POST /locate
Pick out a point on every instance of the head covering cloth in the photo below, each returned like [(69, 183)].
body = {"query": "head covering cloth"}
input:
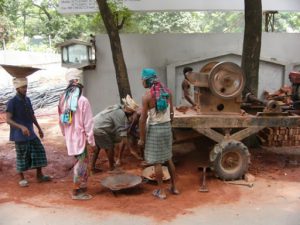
[(157, 89), (20, 82), (130, 103), (74, 74), (71, 94)]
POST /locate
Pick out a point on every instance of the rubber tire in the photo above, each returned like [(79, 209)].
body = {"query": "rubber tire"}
[(240, 152)]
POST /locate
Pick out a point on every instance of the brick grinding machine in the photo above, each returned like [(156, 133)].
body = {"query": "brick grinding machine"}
[(218, 88)]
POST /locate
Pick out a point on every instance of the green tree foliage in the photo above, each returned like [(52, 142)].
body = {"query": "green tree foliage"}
[(1, 7), (287, 22), (121, 15), (186, 22), (22, 20), (30, 18), (203, 22)]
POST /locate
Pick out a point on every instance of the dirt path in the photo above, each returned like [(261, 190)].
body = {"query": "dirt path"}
[(254, 208), (276, 185)]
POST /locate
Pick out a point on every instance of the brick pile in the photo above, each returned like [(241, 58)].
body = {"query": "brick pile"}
[(279, 136), (282, 96)]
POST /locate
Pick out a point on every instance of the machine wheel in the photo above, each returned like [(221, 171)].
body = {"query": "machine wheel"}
[(232, 160), (207, 67), (226, 80)]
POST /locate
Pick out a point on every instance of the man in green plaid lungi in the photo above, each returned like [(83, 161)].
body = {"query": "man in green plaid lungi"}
[(157, 107), (29, 149)]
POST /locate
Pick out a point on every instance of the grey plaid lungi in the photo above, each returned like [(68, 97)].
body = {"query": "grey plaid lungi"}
[(105, 140), (30, 155), (158, 146)]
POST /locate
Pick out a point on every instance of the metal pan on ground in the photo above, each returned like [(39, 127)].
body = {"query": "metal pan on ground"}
[(149, 173), (121, 181)]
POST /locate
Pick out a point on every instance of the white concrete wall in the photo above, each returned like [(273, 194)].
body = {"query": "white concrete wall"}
[(169, 53), (49, 63)]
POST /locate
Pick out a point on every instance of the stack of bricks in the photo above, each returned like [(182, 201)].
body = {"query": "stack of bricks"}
[(280, 136)]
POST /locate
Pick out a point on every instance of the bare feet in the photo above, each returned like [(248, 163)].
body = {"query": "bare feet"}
[(174, 191), (43, 178), (136, 155), (96, 170), (118, 163)]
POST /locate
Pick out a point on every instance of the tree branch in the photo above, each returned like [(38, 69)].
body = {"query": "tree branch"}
[(120, 26), (44, 10)]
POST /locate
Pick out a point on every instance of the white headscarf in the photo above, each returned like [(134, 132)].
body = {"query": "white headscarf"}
[(74, 74), (19, 82), (130, 103)]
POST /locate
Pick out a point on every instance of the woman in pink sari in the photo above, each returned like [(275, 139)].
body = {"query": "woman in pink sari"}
[(76, 123)]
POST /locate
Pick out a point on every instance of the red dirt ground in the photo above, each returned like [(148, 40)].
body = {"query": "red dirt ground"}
[(138, 201)]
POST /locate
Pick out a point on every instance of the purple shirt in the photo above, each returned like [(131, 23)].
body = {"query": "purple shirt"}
[(22, 112)]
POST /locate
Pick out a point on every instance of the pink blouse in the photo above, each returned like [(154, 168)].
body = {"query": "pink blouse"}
[(80, 130)]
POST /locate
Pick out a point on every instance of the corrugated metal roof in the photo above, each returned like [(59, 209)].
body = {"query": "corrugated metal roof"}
[(74, 42)]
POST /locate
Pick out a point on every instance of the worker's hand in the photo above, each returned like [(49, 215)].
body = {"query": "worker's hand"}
[(41, 133), (25, 131), (141, 143), (172, 116)]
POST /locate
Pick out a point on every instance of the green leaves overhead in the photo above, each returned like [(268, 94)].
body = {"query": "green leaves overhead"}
[(203, 22), (31, 18), (26, 19)]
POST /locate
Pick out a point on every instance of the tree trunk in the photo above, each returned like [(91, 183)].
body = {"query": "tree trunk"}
[(116, 48), (252, 44)]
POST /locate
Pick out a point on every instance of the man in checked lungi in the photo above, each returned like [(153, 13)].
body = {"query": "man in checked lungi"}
[(29, 149), (157, 107)]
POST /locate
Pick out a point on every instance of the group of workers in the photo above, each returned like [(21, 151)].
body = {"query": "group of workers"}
[(115, 124)]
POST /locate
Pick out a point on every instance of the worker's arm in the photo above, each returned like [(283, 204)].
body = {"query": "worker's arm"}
[(143, 119), (35, 122), (135, 120), (11, 122), (185, 89), (60, 111), (171, 107), (88, 122)]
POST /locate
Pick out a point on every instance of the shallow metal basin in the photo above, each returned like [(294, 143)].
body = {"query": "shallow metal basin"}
[(121, 181)]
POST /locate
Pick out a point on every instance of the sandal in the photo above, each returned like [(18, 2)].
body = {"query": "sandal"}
[(23, 183), (43, 178), (157, 193), (82, 196)]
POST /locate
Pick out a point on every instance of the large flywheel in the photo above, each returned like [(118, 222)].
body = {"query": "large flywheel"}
[(208, 66), (226, 80)]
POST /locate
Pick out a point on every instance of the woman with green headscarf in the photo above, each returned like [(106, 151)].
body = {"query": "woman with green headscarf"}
[(157, 110)]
